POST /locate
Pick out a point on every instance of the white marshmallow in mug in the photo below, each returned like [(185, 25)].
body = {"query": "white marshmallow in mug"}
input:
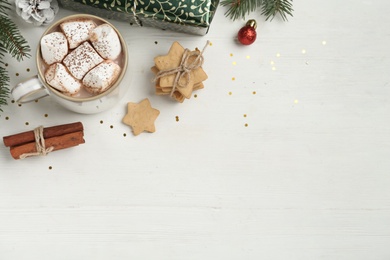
[(77, 31), (59, 78), (81, 60), (54, 47), (101, 78), (106, 42)]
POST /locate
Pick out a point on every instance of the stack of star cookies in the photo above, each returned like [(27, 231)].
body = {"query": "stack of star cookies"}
[(178, 75)]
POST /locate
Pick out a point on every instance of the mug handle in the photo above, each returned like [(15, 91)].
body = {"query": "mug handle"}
[(29, 90)]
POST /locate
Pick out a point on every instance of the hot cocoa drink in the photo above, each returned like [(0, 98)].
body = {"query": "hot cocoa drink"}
[(81, 57)]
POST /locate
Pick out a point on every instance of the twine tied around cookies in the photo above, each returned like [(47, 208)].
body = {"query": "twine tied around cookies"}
[(39, 144), (184, 69)]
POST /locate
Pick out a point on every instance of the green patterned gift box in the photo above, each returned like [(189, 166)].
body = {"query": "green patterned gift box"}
[(189, 16)]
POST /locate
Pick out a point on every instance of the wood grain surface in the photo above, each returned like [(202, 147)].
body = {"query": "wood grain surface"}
[(284, 155)]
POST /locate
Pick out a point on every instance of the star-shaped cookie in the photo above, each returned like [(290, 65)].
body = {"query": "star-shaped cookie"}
[(177, 95), (140, 117), (171, 61)]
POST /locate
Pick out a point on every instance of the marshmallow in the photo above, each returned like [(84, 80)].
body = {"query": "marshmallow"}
[(106, 41), (54, 47), (59, 78), (81, 60), (101, 77), (77, 31)]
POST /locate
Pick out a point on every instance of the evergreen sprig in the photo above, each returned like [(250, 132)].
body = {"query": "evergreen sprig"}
[(269, 8), (11, 42), (4, 82)]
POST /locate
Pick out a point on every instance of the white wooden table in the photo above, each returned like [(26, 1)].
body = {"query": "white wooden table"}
[(285, 154)]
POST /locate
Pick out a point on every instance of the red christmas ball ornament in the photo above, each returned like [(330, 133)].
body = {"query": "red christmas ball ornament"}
[(247, 34)]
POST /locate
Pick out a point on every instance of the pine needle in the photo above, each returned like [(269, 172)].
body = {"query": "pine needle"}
[(240, 8), (269, 8), (11, 39), (11, 42), (282, 7), (4, 82)]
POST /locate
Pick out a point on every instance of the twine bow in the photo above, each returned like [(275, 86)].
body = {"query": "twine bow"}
[(184, 69), (39, 144)]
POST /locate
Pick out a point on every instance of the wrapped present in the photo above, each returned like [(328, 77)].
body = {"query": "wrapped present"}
[(189, 16)]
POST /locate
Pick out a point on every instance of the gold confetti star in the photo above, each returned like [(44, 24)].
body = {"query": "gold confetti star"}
[(140, 117)]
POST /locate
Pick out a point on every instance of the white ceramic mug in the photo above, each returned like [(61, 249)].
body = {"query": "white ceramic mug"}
[(36, 87)]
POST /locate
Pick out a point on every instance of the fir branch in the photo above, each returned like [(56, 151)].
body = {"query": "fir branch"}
[(11, 42), (4, 83), (282, 7), (10, 36), (270, 8), (240, 8)]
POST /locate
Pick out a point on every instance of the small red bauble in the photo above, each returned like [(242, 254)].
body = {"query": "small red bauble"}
[(247, 34)]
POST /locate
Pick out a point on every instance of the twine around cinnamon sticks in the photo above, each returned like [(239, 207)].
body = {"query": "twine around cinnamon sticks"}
[(41, 140)]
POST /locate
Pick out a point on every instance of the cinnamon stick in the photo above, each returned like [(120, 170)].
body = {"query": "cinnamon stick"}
[(57, 142), (48, 132)]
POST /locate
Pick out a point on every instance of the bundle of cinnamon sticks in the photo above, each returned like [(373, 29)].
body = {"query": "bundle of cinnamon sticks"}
[(55, 137)]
